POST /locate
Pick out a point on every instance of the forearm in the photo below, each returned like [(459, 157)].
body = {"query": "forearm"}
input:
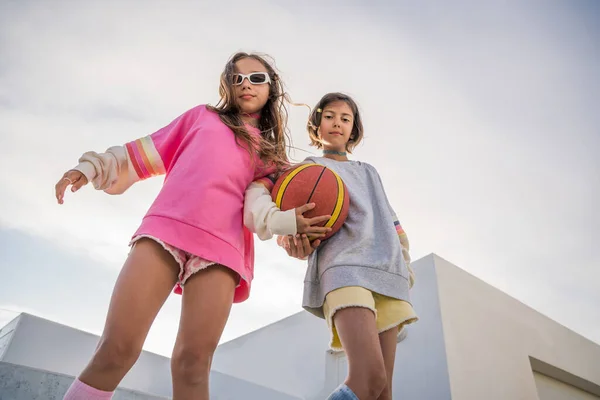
[(263, 217)]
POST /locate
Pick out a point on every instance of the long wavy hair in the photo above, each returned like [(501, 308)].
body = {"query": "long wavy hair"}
[(272, 145)]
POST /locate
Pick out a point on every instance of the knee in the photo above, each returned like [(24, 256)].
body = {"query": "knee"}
[(376, 382), (386, 394), (191, 364), (114, 354)]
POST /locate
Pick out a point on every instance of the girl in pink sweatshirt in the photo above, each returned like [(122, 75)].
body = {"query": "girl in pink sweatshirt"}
[(192, 237)]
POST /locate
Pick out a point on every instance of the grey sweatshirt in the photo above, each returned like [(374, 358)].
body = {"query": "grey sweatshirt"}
[(365, 252)]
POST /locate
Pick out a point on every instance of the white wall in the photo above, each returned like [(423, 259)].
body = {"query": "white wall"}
[(24, 383), (46, 345), (291, 355), (472, 342), (421, 368), (225, 387), (42, 353), (552, 389), (490, 338), (288, 356), (6, 334)]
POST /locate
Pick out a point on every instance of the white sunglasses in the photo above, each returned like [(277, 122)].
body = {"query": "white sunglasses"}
[(255, 78)]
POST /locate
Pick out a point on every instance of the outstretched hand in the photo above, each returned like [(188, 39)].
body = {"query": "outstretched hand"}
[(74, 178), (298, 246)]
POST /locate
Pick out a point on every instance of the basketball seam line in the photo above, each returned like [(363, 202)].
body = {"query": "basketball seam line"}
[(335, 204), (287, 180), (316, 184)]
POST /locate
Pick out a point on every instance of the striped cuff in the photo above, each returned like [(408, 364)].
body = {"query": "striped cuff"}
[(145, 158), (398, 227)]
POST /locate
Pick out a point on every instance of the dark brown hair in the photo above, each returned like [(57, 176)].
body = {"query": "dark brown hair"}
[(273, 120), (314, 121)]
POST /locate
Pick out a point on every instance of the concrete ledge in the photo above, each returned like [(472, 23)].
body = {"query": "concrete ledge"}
[(24, 383), (564, 376)]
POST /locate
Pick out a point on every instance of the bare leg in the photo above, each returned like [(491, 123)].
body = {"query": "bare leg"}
[(207, 300), (388, 341), (144, 284), (358, 333)]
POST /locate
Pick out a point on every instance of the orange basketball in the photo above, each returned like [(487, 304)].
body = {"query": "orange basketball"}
[(314, 183)]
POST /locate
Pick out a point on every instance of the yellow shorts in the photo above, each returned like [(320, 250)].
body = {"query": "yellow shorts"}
[(389, 312)]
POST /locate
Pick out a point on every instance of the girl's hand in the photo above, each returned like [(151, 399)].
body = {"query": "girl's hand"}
[(72, 177), (298, 246), (305, 225)]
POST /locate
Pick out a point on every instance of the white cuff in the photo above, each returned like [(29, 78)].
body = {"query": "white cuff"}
[(87, 169), (283, 223)]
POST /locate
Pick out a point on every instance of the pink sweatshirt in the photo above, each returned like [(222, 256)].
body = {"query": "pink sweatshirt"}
[(200, 206)]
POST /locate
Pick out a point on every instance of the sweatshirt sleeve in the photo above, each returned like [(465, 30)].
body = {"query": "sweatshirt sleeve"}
[(405, 248), (404, 243), (261, 214), (119, 167)]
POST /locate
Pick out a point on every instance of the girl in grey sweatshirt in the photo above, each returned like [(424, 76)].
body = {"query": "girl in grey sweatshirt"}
[(358, 280)]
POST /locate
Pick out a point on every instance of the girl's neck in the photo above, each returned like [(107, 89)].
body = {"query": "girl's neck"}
[(250, 119), (337, 155)]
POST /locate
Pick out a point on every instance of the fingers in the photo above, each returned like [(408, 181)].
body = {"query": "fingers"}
[(287, 244), (318, 231), (306, 247), (303, 247), (78, 183), (318, 220), (74, 178), (314, 231), (293, 246), (299, 246), (305, 208), (310, 225), (60, 188)]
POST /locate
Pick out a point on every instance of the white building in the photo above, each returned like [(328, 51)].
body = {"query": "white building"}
[(472, 342)]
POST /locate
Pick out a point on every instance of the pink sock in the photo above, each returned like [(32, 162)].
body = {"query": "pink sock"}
[(81, 391)]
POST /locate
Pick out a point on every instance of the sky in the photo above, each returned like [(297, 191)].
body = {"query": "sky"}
[(482, 120)]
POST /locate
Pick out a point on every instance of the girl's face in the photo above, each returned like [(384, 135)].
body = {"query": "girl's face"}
[(336, 125), (251, 97)]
